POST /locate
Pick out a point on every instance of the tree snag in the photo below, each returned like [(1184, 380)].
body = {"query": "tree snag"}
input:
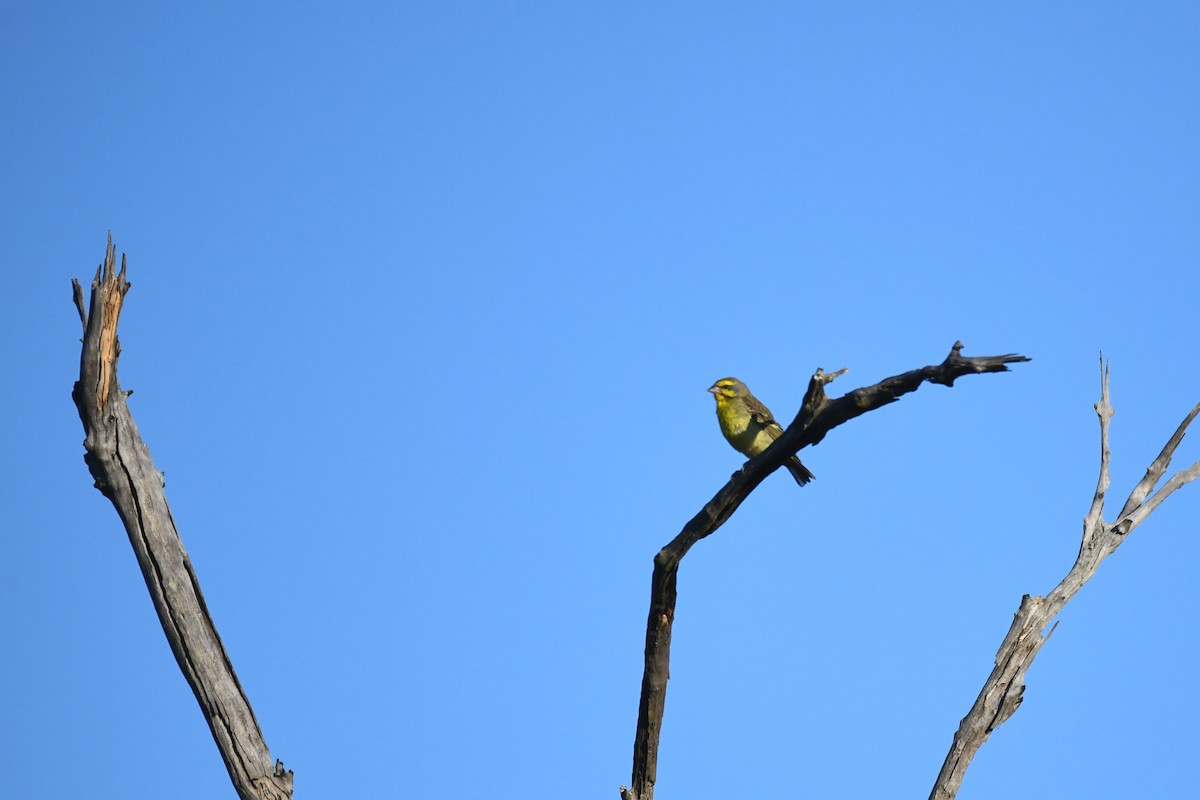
[(125, 473), (1005, 687), (817, 416)]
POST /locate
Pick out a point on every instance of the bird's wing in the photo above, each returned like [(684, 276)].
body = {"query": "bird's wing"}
[(761, 414)]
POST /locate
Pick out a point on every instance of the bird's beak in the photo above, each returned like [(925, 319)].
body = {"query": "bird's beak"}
[(713, 389)]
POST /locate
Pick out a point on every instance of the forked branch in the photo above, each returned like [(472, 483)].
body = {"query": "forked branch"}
[(124, 472), (817, 416), (1003, 691)]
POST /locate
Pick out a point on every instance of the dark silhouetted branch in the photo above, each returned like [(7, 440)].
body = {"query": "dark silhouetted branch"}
[(817, 416)]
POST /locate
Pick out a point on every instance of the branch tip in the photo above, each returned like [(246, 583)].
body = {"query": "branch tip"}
[(77, 295), (823, 378)]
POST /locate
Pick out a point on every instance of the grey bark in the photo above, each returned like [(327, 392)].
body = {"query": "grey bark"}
[(125, 473), (1003, 691)]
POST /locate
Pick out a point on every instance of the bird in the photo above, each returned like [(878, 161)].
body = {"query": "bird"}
[(749, 426)]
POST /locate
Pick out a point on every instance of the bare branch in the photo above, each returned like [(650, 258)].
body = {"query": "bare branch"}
[(1159, 466), (125, 473), (817, 416), (1001, 693), (1139, 514), (1104, 411)]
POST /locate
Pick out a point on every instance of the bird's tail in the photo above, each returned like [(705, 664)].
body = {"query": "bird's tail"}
[(799, 471)]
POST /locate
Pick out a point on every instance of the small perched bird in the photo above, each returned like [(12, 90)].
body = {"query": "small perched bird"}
[(748, 424)]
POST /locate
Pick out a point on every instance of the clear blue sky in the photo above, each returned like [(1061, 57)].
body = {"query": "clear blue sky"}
[(425, 301)]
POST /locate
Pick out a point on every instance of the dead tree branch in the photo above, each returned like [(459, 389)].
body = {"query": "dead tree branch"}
[(1005, 687), (817, 416), (124, 472)]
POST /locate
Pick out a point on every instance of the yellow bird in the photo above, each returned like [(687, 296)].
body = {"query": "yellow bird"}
[(748, 424)]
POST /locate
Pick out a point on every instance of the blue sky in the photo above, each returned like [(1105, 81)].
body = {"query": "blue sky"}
[(425, 301)]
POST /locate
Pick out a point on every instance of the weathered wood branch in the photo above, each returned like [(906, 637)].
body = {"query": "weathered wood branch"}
[(817, 416), (1005, 687), (125, 473)]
